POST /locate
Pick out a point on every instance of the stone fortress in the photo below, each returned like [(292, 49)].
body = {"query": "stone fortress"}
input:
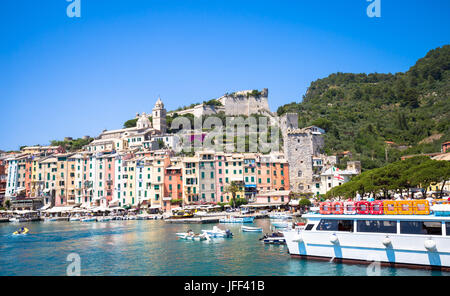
[(245, 102)]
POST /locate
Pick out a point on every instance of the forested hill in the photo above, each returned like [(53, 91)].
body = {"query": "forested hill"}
[(362, 111)]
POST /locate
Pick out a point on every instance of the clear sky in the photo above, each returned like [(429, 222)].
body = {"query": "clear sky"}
[(62, 76)]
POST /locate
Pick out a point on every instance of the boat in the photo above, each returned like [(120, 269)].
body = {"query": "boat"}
[(282, 216), (190, 235), (48, 219), (404, 233), (75, 218), (103, 219), (275, 238), (282, 224), (20, 219), (237, 220), (251, 229), (217, 232), (89, 219), (21, 231)]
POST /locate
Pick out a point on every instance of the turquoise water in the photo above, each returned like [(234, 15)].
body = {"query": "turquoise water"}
[(151, 248)]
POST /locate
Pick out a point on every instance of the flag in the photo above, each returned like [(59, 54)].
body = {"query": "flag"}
[(336, 174)]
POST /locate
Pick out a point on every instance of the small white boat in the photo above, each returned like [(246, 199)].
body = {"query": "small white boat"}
[(193, 236), (217, 232), (282, 216), (131, 218), (237, 220), (75, 219), (282, 224), (51, 219), (251, 229), (89, 219), (103, 219), (276, 238)]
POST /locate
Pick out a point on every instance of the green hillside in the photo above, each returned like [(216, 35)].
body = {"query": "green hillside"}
[(362, 111)]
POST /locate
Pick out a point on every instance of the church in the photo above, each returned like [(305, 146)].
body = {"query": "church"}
[(125, 138)]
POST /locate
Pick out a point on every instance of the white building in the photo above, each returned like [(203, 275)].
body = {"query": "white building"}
[(331, 178)]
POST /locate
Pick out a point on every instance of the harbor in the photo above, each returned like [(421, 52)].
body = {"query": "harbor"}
[(150, 247)]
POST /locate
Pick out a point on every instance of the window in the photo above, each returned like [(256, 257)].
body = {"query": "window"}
[(335, 225), (299, 173), (309, 226), (447, 227), (421, 227), (377, 226)]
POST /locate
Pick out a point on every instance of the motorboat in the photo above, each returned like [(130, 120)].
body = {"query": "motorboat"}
[(237, 220), (217, 232), (251, 229), (75, 218), (104, 219), (89, 219), (275, 238), (280, 216), (282, 224), (190, 235)]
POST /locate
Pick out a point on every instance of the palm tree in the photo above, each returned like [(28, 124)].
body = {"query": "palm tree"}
[(233, 188)]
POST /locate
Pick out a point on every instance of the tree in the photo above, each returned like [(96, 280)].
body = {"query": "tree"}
[(233, 189)]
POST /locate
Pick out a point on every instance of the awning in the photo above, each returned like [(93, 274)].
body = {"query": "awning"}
[(45, 207), (59, 209), (21, 212), (260, 205)]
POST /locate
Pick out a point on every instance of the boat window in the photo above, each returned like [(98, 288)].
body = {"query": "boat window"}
[(447, 227), (377, 226), (335, 225), (309, 226), (421, 227)]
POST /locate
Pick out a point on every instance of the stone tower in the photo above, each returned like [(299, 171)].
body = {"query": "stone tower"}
[(159, 117), (300, 146)]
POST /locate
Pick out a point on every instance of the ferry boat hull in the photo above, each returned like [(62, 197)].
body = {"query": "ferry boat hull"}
[(393, 249)]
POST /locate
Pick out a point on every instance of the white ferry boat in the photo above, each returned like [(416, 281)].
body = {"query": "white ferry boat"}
[(398, 240)]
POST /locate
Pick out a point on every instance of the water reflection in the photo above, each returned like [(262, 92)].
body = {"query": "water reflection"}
[(152, 248)]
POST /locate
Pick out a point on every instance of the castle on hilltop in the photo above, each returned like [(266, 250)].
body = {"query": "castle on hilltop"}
[(245, 102)]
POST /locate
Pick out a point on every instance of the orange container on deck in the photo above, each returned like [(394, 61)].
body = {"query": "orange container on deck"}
[(337, 208), (363, 207), (405, 207), (376, 207), (325, 208), (421, 207), (390, 207)]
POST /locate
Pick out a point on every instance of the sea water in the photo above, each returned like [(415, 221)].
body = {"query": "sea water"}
[(146, 247)]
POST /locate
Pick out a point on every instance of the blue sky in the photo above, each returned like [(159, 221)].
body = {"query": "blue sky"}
[(65, 76)]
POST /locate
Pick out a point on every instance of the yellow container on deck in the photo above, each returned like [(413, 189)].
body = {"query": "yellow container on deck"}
[(405, 207), (421, 207), (390, 207)]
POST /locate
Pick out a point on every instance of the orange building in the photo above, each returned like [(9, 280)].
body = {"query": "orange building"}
[(272, 175), (173, 187)]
